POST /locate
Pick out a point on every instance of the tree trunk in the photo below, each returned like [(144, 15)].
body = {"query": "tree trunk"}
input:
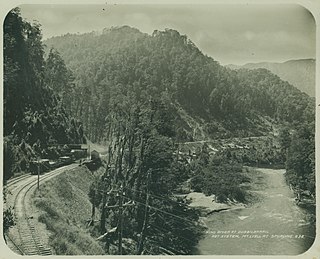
[(103, 215)]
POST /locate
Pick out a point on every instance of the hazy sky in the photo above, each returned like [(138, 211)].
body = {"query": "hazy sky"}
[(234, 34)]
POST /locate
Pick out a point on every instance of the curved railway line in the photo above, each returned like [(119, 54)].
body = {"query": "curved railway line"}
[(17, 179), (28, 241)]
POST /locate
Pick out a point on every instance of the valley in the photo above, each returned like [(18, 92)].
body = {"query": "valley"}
[(244, 227), (165, 148)]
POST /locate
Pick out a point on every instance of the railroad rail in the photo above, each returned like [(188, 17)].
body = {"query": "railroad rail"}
[(17, 179), (29, 242)]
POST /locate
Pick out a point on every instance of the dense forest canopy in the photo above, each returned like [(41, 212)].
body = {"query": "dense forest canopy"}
[(223, 100)]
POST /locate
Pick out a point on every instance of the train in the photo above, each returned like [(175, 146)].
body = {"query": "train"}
[(44, 165), (95, 161), (75, 152)]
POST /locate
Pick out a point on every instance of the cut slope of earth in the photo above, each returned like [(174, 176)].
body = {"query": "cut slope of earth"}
[(64, 209)]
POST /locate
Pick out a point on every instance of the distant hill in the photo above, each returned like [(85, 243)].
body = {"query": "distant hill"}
[(300, 73)]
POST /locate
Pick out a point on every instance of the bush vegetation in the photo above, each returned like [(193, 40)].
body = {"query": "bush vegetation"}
[(218, 175)]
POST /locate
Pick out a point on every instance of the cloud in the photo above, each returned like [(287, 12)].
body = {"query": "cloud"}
[(249, 35), (228, 33)]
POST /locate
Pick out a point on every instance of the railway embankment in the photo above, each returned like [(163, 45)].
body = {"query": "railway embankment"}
[(53, 219), (64, 209), (24, 237)]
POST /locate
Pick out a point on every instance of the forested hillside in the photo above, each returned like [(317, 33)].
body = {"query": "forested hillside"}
[(193, 97), (205, 98), (34, 117)]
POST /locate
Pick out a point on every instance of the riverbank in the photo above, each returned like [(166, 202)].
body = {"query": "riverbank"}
[(207, 205)]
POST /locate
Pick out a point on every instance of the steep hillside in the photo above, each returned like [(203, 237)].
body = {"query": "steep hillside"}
[(34, 119), (300, 73), (123, 66)]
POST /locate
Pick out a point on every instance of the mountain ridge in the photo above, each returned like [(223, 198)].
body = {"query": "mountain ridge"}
[(170, 65), (298, 72)]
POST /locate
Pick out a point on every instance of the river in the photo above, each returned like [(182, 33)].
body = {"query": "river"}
[(274, 225)]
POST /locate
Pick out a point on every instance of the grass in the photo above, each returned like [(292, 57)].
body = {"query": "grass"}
[(65, 210)]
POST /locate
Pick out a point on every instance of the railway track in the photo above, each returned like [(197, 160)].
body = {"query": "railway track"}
[(13, 185), (29, 240), (17, 179)]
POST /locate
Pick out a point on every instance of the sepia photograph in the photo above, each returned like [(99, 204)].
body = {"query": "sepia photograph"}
[(159, 128)]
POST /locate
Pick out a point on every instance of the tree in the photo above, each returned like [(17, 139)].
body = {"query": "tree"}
[(60, 79), (300, 159), (141, 163), (14, 58), (33, 118)]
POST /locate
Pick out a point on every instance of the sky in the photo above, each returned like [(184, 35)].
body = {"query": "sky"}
[(231, 34)]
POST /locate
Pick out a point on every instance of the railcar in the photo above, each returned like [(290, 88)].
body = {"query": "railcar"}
[(39, 166)]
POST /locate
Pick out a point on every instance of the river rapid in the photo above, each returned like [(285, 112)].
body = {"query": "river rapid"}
[(274, 225)]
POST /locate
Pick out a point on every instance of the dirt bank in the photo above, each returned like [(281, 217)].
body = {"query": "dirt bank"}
[(64, 208)]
